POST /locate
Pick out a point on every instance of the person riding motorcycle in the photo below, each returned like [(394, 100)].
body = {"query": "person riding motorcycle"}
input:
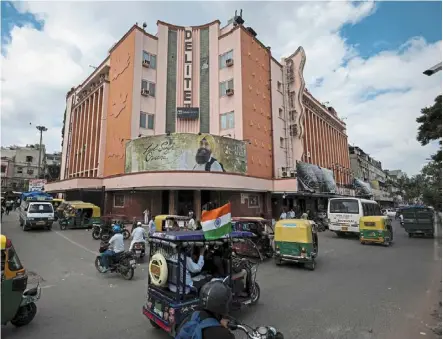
[(209, 321), (138, 235), (116, 244)]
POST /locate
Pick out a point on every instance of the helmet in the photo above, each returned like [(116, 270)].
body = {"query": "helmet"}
[(116, 229), (139, 223), (216, 297)]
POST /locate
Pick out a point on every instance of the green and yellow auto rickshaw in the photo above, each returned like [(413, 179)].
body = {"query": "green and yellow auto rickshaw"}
[(18, 303), (80, 215), (168, 222), (296, 241), (376, 230)]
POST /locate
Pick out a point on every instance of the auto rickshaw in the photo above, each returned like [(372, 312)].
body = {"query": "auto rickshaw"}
[(170, 302), (296, 241), (56, 203), (169, 222), (18, 303), (80, 215), (261, 228), (376, 229)]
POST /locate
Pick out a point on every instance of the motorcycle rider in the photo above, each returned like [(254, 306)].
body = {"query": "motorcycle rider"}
[(116, 244), (209, 321), (138, 235)]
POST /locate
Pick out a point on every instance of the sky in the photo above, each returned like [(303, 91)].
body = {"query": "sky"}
[(365, 58)]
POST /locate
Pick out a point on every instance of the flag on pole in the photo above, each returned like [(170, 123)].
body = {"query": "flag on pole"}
[(216, 223)]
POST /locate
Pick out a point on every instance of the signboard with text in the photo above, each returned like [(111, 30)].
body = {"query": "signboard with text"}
[(188, 112), (37, 185)]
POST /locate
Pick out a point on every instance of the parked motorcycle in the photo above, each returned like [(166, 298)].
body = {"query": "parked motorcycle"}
[(262, 332), (139, 250), (122, 263)]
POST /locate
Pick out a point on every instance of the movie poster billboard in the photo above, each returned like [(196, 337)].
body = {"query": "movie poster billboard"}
[(315, 178), (186, 152)]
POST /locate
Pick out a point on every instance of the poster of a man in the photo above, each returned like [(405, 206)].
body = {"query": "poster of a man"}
[(203, 158)]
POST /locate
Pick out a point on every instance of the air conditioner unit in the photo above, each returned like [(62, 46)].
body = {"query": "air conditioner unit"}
[(145, 92), (229, 92), (293, 173), (146, 63), (283, 172), (229, 62)]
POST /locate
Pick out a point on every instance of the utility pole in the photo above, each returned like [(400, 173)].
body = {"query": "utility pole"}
[(41, 129)]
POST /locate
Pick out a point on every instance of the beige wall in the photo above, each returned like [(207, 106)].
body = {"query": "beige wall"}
[(278, 123)]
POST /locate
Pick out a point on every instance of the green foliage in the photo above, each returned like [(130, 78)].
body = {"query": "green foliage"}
[(430, 123)]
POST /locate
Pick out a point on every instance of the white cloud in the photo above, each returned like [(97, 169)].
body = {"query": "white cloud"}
[(41, 66)]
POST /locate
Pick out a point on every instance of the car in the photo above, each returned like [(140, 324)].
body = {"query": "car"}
[(390, 212)]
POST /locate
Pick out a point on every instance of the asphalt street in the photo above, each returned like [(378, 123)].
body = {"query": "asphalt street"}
[(356, 291)]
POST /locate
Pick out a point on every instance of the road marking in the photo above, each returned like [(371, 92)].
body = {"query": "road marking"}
[(76, 243), (47, 286)]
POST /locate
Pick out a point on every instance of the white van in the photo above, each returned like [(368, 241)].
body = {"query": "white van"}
[(36, 214), (344, 213)]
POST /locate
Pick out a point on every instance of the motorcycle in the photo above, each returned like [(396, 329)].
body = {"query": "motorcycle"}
[(107, 233), (261, 332), (122, 263), (98, 230), (139, 250)]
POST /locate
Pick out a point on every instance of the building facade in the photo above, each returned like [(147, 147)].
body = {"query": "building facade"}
[(19, 164), (137, 128)]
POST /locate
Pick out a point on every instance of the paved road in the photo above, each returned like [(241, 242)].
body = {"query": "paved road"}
[(356, 291)]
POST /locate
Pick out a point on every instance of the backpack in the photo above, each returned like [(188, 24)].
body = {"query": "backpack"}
[(209, 164), (193, 329)]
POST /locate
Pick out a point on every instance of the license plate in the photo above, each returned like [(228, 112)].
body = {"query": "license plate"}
[(344, 228), (132, 262), (41, 222)]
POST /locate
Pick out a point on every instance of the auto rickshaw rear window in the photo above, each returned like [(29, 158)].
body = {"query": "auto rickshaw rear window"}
[(370, 224), (344, 206)]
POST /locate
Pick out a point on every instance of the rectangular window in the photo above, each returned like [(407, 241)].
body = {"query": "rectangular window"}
[(280, 112), (227, 120), (282, 142), (151, 58), (279, 85), (119, 200), (146, 120), (222, 58), (19, 170), (150, 86), (29, 158), (344, 206), (225, 85), (292, 99), (3, 169), (30, 171)]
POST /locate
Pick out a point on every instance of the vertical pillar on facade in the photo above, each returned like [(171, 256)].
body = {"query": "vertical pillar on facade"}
[(172, 202), (197, 204), (267, 205)]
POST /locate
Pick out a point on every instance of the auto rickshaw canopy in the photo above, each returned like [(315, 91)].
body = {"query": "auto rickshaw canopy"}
[(293, 230), (3, 242), (373, 223), (160, 220), (86, 205)]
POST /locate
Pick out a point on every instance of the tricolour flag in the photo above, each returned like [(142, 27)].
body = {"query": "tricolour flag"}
[(216, 223)]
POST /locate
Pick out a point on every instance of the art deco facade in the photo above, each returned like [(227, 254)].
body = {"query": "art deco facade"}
[(207, 80)]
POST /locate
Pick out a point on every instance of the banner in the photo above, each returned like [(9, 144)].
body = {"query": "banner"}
[(186, 152), (37, 185), (316, 179)]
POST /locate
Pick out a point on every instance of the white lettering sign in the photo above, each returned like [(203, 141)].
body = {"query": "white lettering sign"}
[(187, 76)]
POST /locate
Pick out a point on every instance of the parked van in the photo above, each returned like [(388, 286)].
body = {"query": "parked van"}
[(36, 214)]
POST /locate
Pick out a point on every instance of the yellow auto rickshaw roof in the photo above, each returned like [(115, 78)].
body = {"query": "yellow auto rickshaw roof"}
[(3, 241), (377, 222), (58, 200), (293, 230), (171, 216), (82, 204), (249, 218)]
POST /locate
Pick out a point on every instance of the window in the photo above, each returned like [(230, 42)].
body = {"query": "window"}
[(151, 58), (279, 85), (14, 263), (3, 168), (344, 206), (282, 142), (292, 99), (150, 86), (29, 158), (280, 112), (19, 170), (227, 120), (224, 57), (30, 171), (41, 208), (229, 84), (119, 200), (146, 120)]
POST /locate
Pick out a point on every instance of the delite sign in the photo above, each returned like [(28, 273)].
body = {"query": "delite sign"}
[(187, 76)]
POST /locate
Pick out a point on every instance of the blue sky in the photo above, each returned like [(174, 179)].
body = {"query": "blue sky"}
[(393, 23)]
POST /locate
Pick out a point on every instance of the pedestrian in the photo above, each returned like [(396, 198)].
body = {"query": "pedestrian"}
[(191, 223), (151, 226), (146, 215), (291, 214), (134, 224), (283, 214)]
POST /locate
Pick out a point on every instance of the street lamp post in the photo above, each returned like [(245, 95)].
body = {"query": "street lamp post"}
[(433, 70), (41, 129)]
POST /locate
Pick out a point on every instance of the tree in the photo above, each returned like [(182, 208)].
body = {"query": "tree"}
[(430, 126)]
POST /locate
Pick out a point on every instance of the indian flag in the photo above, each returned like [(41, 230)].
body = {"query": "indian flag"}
[(216, 223)]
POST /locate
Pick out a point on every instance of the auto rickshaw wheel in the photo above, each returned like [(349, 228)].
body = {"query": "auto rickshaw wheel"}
[(255, 295), (24, 315), (63, 227), (154, 324), (310, 265)]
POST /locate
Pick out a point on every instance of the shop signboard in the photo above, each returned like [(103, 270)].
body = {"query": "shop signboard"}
[(188, 112), (37, 185), (186, 152)]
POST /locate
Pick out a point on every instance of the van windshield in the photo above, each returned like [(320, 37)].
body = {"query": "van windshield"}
[(344, 206), (40, 208)]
